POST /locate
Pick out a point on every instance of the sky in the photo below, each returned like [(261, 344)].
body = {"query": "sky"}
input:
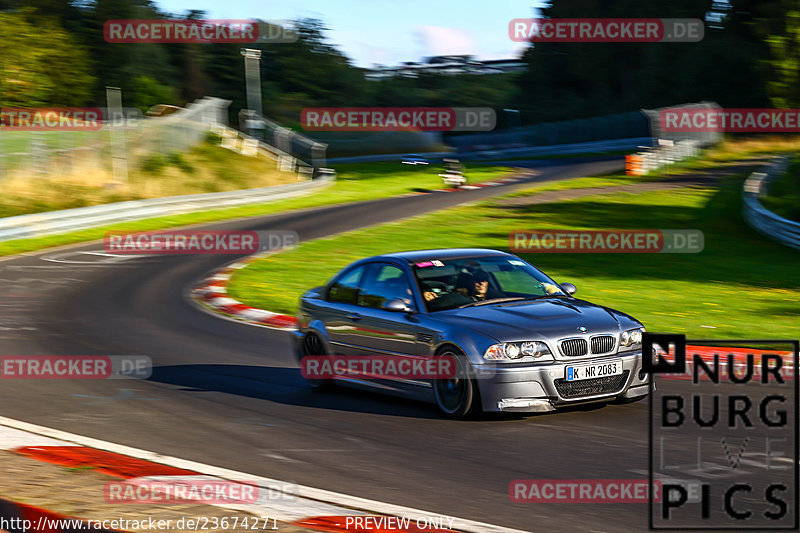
[(389, 32)]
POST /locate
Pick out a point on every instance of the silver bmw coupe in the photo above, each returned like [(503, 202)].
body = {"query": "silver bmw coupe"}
[(518, 340)]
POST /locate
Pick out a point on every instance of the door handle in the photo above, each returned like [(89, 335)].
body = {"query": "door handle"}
[(354, 316)]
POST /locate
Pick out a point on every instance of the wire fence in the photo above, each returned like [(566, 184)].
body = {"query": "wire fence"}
[(61, 153), (698, 138)]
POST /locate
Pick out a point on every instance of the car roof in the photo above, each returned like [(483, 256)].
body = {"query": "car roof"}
[(415, 256)]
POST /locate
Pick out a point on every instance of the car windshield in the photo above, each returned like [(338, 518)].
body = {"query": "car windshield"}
[(451, 283)]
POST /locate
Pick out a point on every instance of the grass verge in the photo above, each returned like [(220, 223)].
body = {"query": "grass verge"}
[(740, 285)]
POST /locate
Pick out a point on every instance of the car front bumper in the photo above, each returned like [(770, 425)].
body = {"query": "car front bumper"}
[(542, 388)]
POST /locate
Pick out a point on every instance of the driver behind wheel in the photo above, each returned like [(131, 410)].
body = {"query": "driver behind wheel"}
[(474, 284)]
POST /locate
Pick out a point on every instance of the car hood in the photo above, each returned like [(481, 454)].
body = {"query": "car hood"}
[(550, 318)]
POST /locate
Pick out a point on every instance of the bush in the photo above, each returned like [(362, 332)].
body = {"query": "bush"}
[(176, 159), (153, 163), (213, 138)]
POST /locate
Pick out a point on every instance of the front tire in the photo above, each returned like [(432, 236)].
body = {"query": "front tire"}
[(457, 397), (312, 345)]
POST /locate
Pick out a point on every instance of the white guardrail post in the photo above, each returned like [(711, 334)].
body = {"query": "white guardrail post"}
[(782, 230)]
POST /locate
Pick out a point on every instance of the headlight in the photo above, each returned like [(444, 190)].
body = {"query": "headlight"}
[(631, 339), (534, 349), (514, 351)]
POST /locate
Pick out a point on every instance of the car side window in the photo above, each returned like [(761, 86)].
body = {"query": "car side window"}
[(345, 289), (384, 282)]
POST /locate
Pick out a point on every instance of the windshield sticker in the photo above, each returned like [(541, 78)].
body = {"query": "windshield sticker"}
[(435, 262)]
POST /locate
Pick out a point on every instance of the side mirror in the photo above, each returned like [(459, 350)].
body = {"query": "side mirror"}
[(569, 288), (397, 305)]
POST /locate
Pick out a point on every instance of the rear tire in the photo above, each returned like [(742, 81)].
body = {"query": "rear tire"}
[(312, 345), (457, 397)]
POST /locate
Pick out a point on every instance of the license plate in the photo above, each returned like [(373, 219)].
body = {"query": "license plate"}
[(593, 370)]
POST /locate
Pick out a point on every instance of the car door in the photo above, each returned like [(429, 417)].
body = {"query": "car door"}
[(380, 331), (383, 332), (342, 312)]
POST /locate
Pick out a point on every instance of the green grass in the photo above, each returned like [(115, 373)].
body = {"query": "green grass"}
[(356, 182), (20, 141), (783, 198), (611, 179), (391, 178), (741, 284)]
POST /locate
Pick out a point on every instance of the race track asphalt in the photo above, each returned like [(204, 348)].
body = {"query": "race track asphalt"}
[(230, 395)]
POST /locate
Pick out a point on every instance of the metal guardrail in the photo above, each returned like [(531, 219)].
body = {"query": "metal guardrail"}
[(54, 222), (782, 230)]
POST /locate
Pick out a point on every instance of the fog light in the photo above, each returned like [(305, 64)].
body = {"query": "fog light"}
[(642, 374)]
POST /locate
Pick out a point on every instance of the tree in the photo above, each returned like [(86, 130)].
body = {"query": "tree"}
[(574, 80), (784, 62), (148, 92), (41, 64)]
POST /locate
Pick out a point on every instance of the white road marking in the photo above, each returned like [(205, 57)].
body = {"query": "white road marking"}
[(11, 438), (106, 257), (310, 501)]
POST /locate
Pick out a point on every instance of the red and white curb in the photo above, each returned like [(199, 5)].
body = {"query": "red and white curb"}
[(285, 502), (213, 292)]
